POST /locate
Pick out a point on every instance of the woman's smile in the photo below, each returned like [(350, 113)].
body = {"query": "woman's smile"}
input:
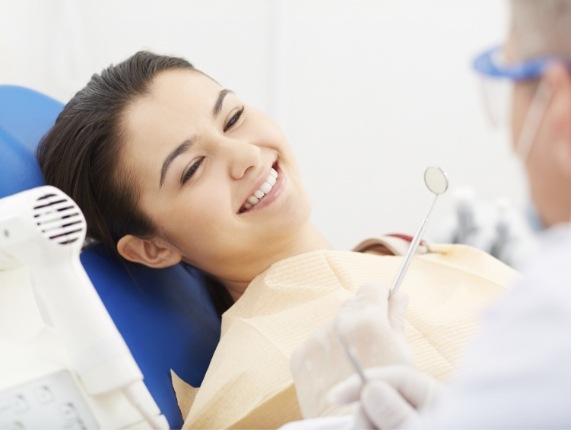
[(266, 191)]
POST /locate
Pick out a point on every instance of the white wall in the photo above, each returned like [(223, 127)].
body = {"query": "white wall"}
[(370, 92)]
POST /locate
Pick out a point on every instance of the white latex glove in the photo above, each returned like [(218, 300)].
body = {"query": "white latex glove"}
[(392, 396), (373, 324)]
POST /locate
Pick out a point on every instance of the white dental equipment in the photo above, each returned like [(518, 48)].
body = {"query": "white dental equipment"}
[(467, 226), (437, 182), (498, 227), (76, 371)]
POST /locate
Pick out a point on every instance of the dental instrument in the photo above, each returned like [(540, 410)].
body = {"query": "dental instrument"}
[(350, 352), (437, 182)]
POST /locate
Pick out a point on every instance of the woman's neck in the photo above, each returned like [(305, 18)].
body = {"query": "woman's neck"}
[(308, 240)]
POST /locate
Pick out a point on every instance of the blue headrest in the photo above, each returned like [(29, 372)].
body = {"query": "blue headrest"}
[(166, 316), (19, 170), (25, 115)]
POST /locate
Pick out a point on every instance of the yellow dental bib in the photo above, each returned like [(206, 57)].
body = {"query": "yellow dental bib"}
[(248, 383)]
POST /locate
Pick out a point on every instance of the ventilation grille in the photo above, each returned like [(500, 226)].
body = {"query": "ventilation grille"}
[(59, 218)]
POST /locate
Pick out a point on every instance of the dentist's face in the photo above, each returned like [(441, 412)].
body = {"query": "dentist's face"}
[(547, 184), (216, 176)]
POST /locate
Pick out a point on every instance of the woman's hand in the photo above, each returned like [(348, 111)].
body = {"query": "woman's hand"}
[(372, 323)]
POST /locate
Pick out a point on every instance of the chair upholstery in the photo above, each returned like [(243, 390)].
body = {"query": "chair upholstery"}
[(166, 316), (25, 116)]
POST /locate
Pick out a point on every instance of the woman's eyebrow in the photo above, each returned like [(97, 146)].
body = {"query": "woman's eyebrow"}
[(180, 149), (219, 101), (184, 146)]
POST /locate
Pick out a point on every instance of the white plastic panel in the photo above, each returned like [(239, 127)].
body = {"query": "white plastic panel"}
[(51, 402)]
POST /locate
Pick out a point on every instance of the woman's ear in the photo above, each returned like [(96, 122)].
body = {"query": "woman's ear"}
[(559, 79), (155, 252)]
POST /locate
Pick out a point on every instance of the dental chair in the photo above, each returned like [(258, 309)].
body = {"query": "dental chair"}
[(167, 317)]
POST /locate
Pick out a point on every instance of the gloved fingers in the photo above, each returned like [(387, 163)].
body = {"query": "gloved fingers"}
[(316, 365), (373, 326), (398, 304), (365, 313), (384, 407), (367, 295), (364, 326), (346, 391), (361, 420), (417, 388), (370, 296)]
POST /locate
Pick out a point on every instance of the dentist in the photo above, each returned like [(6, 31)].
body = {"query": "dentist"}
[(517, 372)]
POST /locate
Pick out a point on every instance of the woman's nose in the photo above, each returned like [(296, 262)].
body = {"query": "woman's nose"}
[(241, 156)]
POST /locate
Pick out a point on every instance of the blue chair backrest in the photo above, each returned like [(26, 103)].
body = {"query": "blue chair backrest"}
[(167, 316)]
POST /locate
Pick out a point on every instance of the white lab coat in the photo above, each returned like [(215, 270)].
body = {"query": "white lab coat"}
[(517, 371)]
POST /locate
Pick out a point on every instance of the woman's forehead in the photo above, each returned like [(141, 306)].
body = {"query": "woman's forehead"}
[(172, 97), (174, 108), (182, 82)]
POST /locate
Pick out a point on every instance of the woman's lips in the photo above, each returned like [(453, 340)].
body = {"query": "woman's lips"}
[(266, 192)]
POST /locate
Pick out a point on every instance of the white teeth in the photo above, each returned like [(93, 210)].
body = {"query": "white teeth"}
[(264, 189)]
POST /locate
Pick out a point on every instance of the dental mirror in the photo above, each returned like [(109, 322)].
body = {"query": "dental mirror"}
[(437, 182)]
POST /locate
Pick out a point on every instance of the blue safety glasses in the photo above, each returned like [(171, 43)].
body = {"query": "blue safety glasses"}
[(490, 63), (498, 78)]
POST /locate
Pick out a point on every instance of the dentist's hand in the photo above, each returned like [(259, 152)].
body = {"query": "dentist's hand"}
[(392, 396), (372, 324)]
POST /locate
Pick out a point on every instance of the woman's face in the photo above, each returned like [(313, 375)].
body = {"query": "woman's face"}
[(217, 177)]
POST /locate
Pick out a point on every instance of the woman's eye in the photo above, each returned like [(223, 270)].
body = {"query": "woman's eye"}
[(190, 171), (234, 119)]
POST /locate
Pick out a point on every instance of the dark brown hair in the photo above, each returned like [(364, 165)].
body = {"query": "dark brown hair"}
[(79, 155)]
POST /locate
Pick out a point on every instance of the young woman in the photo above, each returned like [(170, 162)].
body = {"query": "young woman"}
[(169, 166)]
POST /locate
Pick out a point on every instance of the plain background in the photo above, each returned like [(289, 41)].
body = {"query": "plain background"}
[(369, 92)]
